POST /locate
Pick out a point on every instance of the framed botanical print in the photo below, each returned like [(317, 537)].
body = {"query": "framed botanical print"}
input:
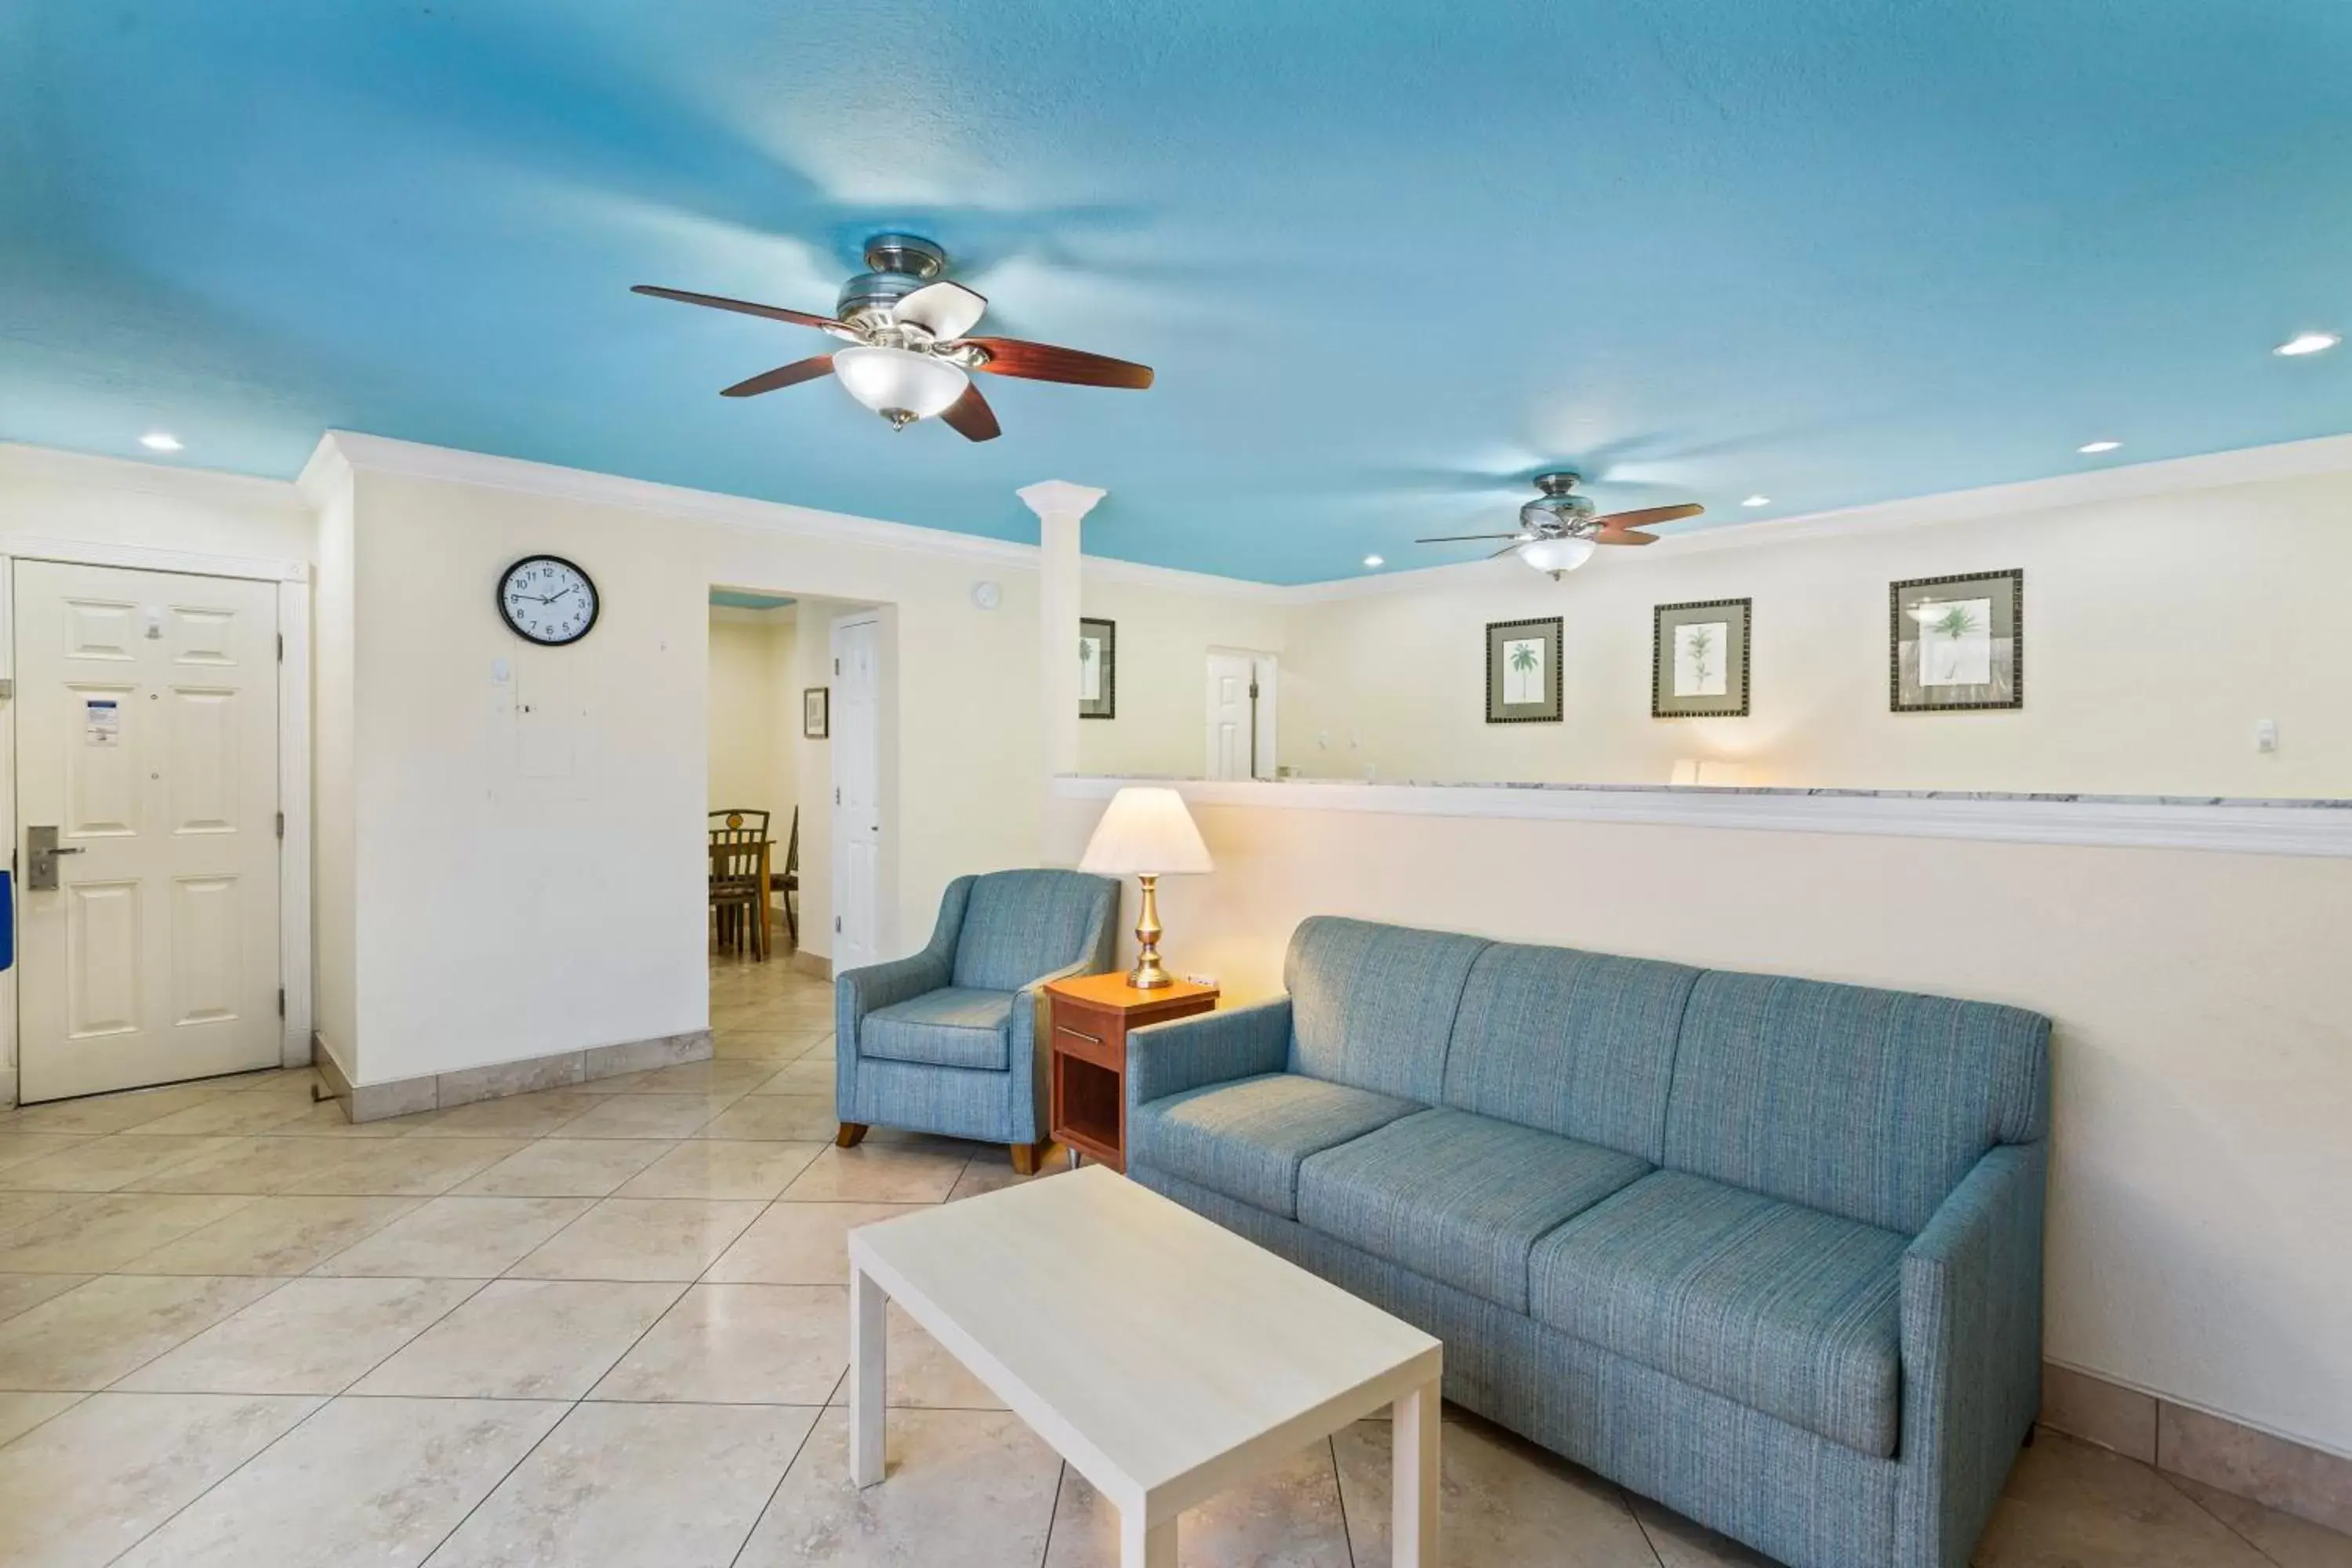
[(1098, 669), (1699, 659), (816, 711), (1956, 643), (1523, 671)]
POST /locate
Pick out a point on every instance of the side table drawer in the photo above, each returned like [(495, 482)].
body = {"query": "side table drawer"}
[(1087, 1039)]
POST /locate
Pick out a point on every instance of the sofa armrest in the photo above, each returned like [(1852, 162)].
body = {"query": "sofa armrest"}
[(1029, 1003), (1971, 1352), (1207, 1047)]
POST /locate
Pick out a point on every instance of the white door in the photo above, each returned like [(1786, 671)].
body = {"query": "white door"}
[(856, 791), (1240, 715), (147, 741)]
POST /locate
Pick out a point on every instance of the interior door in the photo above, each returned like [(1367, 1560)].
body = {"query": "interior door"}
[(856, 791), (147, 742), (1240, 714)]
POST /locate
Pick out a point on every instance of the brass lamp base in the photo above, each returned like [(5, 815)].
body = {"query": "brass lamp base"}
[(1148, 974)]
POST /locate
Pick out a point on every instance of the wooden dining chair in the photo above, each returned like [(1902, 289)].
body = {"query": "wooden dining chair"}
[(737, 836), (789, 884)]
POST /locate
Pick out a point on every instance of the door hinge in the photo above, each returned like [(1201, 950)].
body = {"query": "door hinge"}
[(281, 824), (837, 925), (836, 667), (281, 1000), (836, 794), (281, 647)]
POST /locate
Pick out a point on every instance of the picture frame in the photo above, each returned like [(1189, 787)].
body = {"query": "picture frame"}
[(1955, 644), (1523, 671), (816, 712), (1699, 659), (1098, 668)]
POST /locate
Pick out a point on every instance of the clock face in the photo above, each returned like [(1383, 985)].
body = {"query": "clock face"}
[(546, 599)]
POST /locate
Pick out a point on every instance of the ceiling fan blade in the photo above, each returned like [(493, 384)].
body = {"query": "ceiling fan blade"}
[(1624, 536), (970, 418), (1649, 515), (1507, 550), (944, 310), (1043, 362), (1467, 538), (791, 374), (743, 307)]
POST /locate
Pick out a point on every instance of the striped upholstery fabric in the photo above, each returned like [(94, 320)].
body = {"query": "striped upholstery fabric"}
[(1786, 1309), (1581, 1044), (1207, 1047), (1458, 1197), (952, 1027), (1870, 1104), (1248, 1139), (1372, 1005), (1020, 925)]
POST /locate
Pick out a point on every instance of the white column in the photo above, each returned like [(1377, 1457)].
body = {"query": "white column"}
[(1060, 507)]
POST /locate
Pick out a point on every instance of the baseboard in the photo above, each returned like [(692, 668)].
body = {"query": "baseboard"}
[(815, 964), (2226, 1454), (441, 1092)]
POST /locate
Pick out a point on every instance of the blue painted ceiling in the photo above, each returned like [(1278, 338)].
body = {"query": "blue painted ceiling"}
[(1831, 252)]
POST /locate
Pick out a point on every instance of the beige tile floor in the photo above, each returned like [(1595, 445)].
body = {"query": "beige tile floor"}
[(606, 1325)]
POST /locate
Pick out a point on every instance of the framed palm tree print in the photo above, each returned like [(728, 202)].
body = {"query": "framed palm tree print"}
[(1523, 667), (1956, 643), (1098, 669), (1699, 659)]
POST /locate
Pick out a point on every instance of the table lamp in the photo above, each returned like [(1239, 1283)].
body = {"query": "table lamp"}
[(1147, 834)]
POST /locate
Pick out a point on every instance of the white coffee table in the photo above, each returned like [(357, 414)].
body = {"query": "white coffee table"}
[(1164, 1357)]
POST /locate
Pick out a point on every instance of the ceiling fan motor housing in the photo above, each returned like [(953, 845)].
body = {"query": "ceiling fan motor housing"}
[(898, 265)]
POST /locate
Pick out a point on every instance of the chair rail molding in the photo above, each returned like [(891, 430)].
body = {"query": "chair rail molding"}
[(2303, 827)]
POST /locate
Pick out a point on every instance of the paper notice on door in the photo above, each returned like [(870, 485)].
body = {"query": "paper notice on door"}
[(101, 722)]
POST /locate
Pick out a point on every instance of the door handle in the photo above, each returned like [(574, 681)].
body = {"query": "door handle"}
[(41, 873)]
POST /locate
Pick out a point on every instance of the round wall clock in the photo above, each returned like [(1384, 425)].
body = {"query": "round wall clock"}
[(547, 600)]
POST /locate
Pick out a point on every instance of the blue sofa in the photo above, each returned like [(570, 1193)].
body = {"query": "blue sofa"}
[(1765, 1249), (946, 1041)]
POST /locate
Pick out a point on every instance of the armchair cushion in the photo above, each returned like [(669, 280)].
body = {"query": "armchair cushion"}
[(1246, 1139), (957, 1026), (1458, 1197), (1019, 925), (1784, 1309)]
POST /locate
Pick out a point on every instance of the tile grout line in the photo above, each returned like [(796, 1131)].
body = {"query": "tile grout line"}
[(1340, 1490), (2199, 1504), (785, 1473), (1641, 1525), (1053, 1514)]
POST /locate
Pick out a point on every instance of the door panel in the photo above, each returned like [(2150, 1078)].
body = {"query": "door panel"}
[(857, 805), (147, 735)]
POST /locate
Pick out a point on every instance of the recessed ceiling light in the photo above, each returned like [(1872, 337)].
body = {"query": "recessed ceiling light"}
[(2304, 343), (159, 441), (1374, 561), (2093, 449), (1757, 500)]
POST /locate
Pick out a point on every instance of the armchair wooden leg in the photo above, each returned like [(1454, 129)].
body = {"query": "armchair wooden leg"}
[(852, 1133), (1025, 1158)]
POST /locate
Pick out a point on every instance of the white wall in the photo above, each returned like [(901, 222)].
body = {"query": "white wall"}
[(502, 915), (2159, 630), (2201, 1185), (1166, 628), (754, 713)]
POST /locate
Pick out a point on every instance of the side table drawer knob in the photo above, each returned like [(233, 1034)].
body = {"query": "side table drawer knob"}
[(1080, 1034)]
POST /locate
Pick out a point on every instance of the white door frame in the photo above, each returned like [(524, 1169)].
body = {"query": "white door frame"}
[(293, 579), (1267, 669)]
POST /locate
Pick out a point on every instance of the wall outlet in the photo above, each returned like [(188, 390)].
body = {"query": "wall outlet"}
[(2266, 735)]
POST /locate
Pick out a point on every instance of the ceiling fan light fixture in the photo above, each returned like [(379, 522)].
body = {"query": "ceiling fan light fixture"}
[(900, 384), (1563, 553)]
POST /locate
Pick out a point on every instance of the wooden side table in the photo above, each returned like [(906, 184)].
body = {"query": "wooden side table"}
[(1089, 1019)]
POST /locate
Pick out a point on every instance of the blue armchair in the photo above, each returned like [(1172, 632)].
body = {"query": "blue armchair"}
[(947, 1041)]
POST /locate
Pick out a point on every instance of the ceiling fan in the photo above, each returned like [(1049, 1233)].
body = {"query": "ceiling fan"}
[(910, 358), (1558, 531)]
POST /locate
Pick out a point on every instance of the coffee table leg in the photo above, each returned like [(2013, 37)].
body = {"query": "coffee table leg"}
[(1146, 1548), (868, 1333), (1415, 1479)]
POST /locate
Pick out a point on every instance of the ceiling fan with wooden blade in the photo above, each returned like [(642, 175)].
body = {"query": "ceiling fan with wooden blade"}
[(910, 356), (1559, 529)]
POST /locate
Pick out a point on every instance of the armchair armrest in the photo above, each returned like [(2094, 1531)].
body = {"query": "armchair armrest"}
[(1208, 1047), (858, 992), (1029, 1002), (1971, 1352)]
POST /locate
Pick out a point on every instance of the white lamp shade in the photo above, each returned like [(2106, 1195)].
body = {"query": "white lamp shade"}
[(1565, 553), (899, 379), (1146, 832)]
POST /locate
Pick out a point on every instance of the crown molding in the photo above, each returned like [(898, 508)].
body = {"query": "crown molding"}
[(2303, 827), (54, 465), (1176, 580)]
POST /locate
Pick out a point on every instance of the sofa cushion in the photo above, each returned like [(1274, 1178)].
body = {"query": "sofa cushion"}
[(1783, 1308), (1021, 926), (959, 1026), (1870, 1104), (1372, 1005), (1581, 1044), (1458, 1197), (1246, 1138)]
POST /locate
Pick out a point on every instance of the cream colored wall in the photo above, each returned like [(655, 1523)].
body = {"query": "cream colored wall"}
[(2158, 631), (2201, 1185), (754, 713), (1165, 633), (501, 915)]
